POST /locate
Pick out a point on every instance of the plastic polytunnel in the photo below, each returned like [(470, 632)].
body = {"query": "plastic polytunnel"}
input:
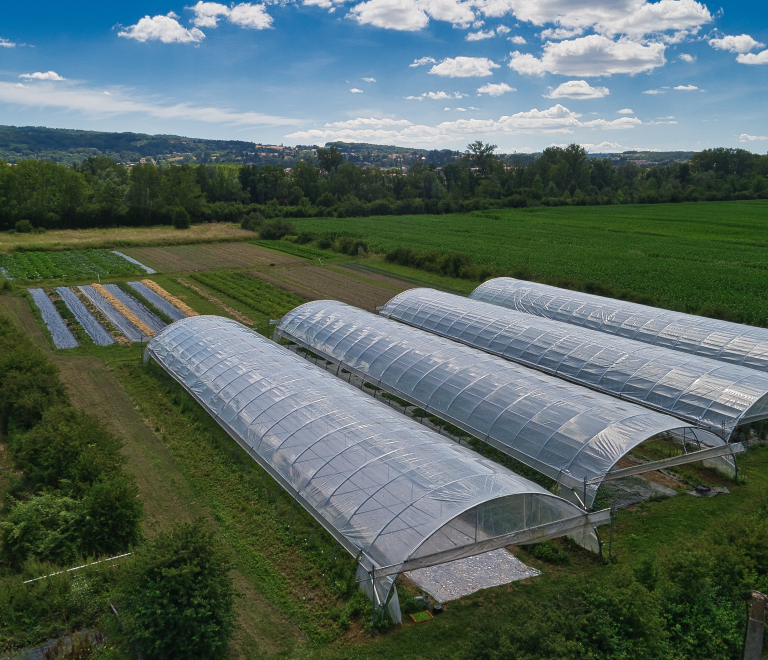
[(394, 494), (704, 392), (564, 431), (711, 338)]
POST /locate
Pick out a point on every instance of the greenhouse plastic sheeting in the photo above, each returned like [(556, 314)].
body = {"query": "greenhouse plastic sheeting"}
[(702, 391), (562, 430), (158, 301), (711, 338), (94, 329), (62, 337), (150, 271), (144, 315), (384, 486), (113, 316)]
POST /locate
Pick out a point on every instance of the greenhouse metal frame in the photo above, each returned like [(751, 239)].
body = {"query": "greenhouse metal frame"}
[(710, 394), (566, 432), (723, 341), (394, 494)]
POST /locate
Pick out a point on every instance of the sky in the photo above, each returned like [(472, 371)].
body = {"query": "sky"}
[(612, 75)]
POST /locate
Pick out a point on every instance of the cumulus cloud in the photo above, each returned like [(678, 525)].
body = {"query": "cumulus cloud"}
[(422, 61), (479, 36), (751, 58), (412, 15), (577, 89), (162, 28), (626, 111), (593, 55), (686, 88), (464, 67), (636, 18), (4, 43), (369, 80), (741, 43), (685, 57), (436, 96), (502, 29), (745, 137), (455, 12), (603, 148), (653, 92), (39, 75), (559, 34), (95, 103), (355, 90), (517, 39), (495, 89), (557, 119), (208, 14)]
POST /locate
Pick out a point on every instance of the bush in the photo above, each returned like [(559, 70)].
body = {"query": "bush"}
[(110, 517), (181, 218), (275, 229), (252, 221), (179, 596), (24, 226)]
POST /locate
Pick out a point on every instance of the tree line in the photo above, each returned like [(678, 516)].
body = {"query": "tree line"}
[(39, 194)]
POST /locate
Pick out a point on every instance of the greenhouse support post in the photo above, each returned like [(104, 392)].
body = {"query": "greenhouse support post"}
[(753, 643)]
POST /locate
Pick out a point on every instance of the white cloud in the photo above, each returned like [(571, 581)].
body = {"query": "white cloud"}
[(369, 80), (593, 55), (207, 14), (455, 12), (751, 58), (577, 89), (744, 137), (603, 147), (686, 88), (355, 90), (502, 29), (626, 111), (461, 109), (464, 67), (557, 119), (4, 43), (39, 75), (561, 33), (94, 103), (479, 36), (685, 57), (517, 39), (436, 96), (422, 61), (742, 43), (162, 28), (653, 92), (412, 15), (637, 18), (495, 89)]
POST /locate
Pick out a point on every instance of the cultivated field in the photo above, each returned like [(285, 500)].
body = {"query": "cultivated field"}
[(190, 258)]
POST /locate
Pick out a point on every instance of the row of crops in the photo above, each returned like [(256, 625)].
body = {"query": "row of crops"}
[(255, 293), (70, 264)]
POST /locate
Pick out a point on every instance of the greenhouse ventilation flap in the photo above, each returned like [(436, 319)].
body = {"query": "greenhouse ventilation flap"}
[(713, 395), (564, 431), (723, 341), (392, 493)]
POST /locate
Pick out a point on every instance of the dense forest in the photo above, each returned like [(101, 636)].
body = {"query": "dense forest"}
[(37, 194)]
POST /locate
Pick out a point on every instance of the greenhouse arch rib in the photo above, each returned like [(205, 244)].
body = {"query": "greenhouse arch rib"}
[(724, 341), (564, 431), (703, 392), (379, 483)]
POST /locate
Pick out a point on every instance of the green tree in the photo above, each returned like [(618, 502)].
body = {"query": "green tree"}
[(144, 191), (179, 596), (481, 156), (330, 159)]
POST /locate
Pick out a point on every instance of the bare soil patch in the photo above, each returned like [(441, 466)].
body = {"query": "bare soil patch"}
[(190, 258)]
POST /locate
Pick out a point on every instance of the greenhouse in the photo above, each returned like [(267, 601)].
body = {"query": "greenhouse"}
[(711, 338), (719, 397), (566, 432), (394, 494)]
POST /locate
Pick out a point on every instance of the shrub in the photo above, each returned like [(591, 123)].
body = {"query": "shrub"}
[(110, 517), (181, 218), (275, 229), (252, 221), (24, 226)]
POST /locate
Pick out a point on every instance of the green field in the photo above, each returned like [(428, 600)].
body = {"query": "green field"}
[(685, 256), (73, 264)]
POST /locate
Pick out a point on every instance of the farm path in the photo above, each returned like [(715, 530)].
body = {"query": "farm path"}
[(163, 488)]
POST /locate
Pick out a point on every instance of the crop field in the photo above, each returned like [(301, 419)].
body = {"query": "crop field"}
[(685, 256), (190, 258), (316, 283), (256, 294), (71, 264), (304, 251)]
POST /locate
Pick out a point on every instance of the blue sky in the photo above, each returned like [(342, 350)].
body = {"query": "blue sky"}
[(522, 74)]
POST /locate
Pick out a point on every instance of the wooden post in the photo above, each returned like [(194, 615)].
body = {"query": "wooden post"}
[(753, 644)]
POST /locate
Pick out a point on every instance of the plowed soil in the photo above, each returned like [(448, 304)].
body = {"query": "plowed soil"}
[(327, 283), (190, 258)]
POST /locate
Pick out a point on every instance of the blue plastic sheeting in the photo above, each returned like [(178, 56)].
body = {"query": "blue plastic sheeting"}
[(147, 317), (62, 337), (114, 317), (149, 270), (94, 329), (158, 301), (5, 273)]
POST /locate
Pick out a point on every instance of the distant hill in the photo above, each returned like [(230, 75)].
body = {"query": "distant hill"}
[(68, 146)]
